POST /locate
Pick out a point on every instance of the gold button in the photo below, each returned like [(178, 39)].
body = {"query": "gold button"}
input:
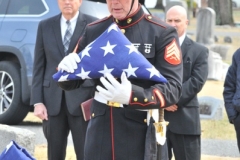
[(145, 120), (149, 17), (129, 20), (117, 20), (152, 98), (113, 104), (145, 100), (135, 99), (123, 31), (92, 114)]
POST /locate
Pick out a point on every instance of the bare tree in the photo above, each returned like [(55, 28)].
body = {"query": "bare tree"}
[(159, 4), (223, 9)]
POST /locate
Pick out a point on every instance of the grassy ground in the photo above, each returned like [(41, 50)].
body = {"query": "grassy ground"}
[(213, 129), (40, 154)]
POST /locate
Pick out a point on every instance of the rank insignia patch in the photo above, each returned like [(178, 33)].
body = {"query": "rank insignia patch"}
[(172, 53)]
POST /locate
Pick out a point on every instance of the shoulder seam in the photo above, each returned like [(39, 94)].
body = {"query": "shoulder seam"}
[(154, 22)]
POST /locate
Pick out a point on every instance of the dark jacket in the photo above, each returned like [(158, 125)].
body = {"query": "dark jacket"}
[(49, 51), (186, 119), (231, 92)]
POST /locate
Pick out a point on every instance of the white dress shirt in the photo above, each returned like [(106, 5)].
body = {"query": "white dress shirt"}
[(63, 24)]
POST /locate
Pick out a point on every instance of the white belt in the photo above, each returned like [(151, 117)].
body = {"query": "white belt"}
[(100, 99)]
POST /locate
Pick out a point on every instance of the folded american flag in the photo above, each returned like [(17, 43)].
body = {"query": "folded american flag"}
[(14, 152), (111, 53)]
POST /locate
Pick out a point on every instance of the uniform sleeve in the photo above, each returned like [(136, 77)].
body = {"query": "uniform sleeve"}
[(168, 60), (230, 87), (197, 79)]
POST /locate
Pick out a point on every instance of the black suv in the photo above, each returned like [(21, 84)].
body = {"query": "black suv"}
[(18, 27)]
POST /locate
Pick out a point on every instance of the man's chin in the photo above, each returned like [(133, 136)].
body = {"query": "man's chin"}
[(69, 13)]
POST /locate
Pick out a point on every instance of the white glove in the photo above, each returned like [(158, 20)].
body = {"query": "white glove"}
[(69, 62), (115, 91)]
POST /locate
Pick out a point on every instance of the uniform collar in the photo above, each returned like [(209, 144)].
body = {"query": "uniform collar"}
[(131, 19)]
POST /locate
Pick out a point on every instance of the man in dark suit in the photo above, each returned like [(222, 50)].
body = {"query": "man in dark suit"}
[(59, 110), (184, 130)]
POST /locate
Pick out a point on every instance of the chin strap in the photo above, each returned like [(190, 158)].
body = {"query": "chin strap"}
[(130, 8)]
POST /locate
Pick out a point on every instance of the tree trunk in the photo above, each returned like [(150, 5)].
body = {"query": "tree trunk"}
[(223, 9), (159, 4)]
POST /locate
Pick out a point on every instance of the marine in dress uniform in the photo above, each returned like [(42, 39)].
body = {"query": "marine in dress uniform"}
[(118, 133)]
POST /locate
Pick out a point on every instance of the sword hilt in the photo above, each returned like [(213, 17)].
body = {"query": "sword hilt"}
[(161, 115)]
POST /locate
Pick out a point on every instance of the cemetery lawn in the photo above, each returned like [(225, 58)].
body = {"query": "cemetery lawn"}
[(216, 129)]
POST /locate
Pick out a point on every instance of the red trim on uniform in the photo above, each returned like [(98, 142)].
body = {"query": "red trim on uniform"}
[(172, 53), (132, 23), (143, 104), (160, 97), (150, 20), (112, 133), (75, 49), (157, 95)]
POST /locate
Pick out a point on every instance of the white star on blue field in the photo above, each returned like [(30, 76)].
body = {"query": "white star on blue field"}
[(111, 53)]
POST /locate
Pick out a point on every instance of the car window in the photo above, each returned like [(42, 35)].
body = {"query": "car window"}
[(25, 7), (3, 6), (98, 10)]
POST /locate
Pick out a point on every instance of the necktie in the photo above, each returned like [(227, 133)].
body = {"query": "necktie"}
[(67, 37)]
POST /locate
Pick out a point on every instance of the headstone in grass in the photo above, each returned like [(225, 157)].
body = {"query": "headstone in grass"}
[(205, 26), (215, 66), (25, 138), (221, 49), (210, 108), (227, 39)]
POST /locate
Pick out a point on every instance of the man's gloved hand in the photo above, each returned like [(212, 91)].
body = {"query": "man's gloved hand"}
[(69, 62), (115, 91)]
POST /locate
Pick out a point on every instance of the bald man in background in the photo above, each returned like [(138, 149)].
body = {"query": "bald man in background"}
[(184, 130)]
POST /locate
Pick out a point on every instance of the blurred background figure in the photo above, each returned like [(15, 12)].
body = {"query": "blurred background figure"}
[(184, 130), (59, 110), (231, 94)]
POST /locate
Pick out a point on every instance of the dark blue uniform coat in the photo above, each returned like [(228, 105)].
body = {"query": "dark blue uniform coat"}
[(119, 133)]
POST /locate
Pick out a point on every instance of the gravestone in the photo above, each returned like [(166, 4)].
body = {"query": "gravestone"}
[(214, 66), (222, 50), (215, 38), (227, 39), (210, 108), (23, 137), (205, 26)]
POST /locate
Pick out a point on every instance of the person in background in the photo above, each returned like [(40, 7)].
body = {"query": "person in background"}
[(117, 128), (231, 94), (184, 130), (59, 110)]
